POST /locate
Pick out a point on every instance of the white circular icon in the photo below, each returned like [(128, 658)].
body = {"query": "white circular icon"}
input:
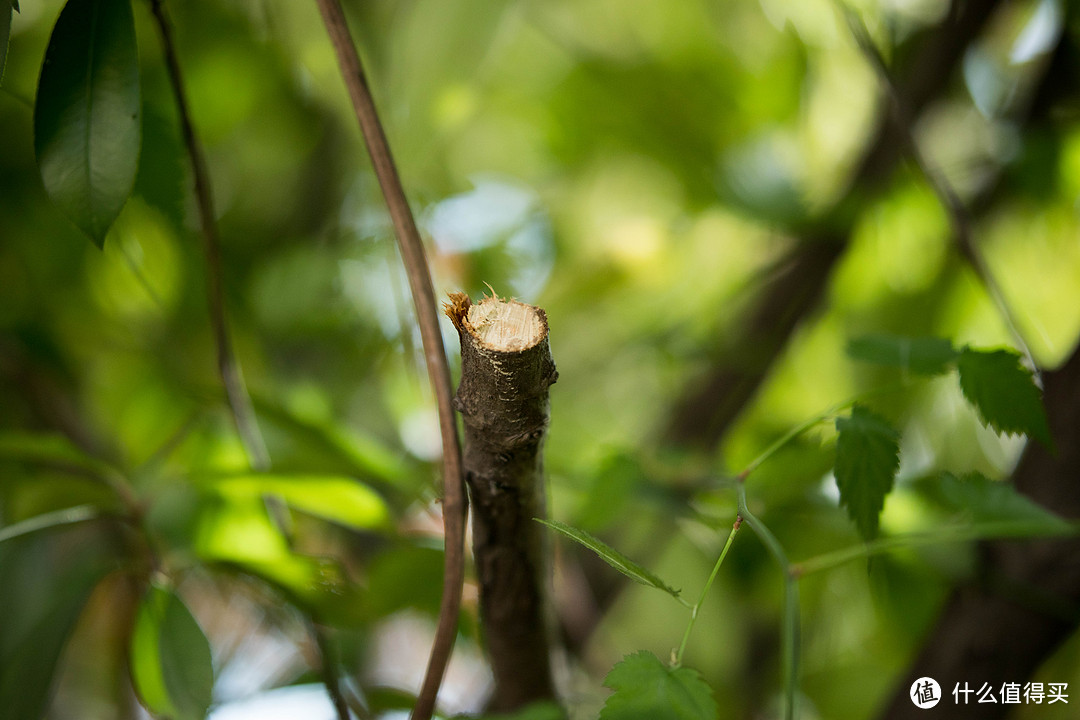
[(925, 693)]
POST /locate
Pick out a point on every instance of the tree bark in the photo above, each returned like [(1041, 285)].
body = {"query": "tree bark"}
[(1026, 600), (506, 369)]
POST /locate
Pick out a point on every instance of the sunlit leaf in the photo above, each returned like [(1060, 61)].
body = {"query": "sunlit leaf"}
[(1004, 392), (611, 556), (647, 688), (170, 658), (339, 499), (355, 453), (45, 579), (86, 119), (922, 356), (867, 458)]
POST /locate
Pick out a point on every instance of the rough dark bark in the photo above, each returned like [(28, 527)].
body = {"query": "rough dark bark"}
[(1026, 600), (506, 369)]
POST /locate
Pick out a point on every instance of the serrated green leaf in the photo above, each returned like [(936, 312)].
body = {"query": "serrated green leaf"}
[(611, 556), (45, 580), (5, 35), (867, 458), (647, 688), (86, 118), (922, 356), (985, 501), (1004, 392), (170, 658)]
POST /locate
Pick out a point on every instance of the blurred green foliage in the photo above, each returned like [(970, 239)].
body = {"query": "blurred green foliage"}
[(639, 169)]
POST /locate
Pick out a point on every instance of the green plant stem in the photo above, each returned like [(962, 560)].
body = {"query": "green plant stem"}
[(705, 590), (811, 422), (228, 366), (789, 647), (455, 507), (978, 531)]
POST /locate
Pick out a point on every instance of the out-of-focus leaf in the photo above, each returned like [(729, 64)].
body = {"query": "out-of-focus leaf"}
[(170, 658), (984, 501), (5, 34), (535, 711), (359, 454), (1004, 392), (45, 579), (342, 500), (236, 532), (52, 450), (867, 458), (611, 556), (647, 688), (86, 119), (922, 356), (405, 577)]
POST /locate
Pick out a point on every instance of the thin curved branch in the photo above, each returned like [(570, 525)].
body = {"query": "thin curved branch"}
[(423, 294), (228, 367)]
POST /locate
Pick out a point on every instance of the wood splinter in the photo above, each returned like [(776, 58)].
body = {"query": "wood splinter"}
[(506, 370)]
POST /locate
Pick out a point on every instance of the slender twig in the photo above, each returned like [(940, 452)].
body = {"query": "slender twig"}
[(959, 218), (789, 631), (423, 294), (956, 534), (228, 366), (821, 417), (705, 590)]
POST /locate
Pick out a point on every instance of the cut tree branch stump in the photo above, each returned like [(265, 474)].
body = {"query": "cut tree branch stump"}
[(506, 370)]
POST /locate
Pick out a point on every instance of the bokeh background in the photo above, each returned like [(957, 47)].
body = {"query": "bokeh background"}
[(709, 199)]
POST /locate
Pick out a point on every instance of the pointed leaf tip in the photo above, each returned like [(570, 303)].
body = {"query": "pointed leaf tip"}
[(867, 459), (611, 556)]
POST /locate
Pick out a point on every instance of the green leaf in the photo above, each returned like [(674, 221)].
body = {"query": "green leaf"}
[(984, 501), (86, 120), (5, 35), (867, 458), (45, 579), (170, 658), (340, 499), (1004, 392), (47, 449), (646, 688), (611, 556), (921, 356)]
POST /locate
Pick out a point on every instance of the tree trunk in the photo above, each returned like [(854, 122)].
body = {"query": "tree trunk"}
[(506, 369)]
